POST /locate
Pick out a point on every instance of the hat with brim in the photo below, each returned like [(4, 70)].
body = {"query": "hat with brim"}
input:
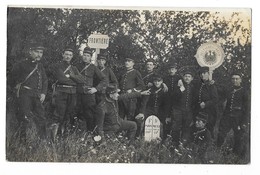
[(112, 90), (157, 78), (88, 50), (103, 57), (69, 49), (236, 73), (36, 46), (129, 59), (203, 69), (172, 65), (202, 116), (187, 72)]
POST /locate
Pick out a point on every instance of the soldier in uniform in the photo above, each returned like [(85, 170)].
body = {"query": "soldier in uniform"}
[(200, 136), (149, 73), (182, 115), (130, 81), (236, 114), (170, 81), (86, 91), (109, 74), (108, 120), (155, 104), (64, 92), (30, 81), (206, 98)]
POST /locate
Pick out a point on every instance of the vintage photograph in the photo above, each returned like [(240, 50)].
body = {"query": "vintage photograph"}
[(130, 85)]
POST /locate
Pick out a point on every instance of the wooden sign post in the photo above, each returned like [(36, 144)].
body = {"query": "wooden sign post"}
[(152, 128), (98, 41)]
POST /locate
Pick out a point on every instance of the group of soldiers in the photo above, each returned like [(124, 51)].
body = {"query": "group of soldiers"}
[(187, 108)]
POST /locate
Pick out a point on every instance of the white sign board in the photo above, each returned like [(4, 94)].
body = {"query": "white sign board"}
[(210, 55), (152, 128), (98, 41)]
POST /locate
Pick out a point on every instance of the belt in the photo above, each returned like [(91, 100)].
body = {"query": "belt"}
[(66, 86)]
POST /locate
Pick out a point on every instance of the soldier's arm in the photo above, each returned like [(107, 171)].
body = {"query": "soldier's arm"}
[(76, 76), (102, 79), (129, 95), (112, 78), (246, 108), (139, 81), (44, 81), (60, 76)]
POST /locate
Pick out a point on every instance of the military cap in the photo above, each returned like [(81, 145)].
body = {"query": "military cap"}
[(100, 56), (150, 60), (36, 45), (172, 65), (112, 89), (88, 50), (203, 70), (187, 71), (236, 73), (157, 77), (69, 49), (202, 116), (129, 59)]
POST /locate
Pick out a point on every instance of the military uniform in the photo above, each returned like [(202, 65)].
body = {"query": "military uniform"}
[(236, 114), (28, 93), (200, 137), (155, 104), (207, 93), (148, 77), (110, 79), (87, 102), (64, 93), (182, 113), (108, 119), (130, 80)]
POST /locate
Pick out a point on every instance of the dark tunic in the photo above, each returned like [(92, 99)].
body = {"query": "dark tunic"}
[(131, 79)]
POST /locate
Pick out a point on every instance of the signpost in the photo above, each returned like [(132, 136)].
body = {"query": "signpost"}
[(98, 41), (210, 55), (152, 128)]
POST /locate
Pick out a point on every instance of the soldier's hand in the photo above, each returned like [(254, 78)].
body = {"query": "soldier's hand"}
[(168, 120), (202, 105), (211, 82), (140, 116), (150, 84), (67, 75), (147, 92), (42, 98), (129, 91), (92, 90), (165, 88), (180, 83)]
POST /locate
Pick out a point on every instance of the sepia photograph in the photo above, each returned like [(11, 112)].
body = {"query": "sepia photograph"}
[(128, 85), (140, 87)]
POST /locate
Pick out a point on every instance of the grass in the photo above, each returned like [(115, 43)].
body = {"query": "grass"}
[(80, 147)]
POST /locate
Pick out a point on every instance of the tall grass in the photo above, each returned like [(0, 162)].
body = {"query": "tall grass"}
[(79, 146)]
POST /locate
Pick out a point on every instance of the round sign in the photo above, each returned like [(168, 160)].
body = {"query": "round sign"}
[(210, 55)]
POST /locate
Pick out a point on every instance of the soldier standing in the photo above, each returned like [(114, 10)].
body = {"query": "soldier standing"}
[(236, 114), (182, 115), (64, 92), (130, 81), (86, 91), (206, 98), (155, 104), (149, 73), (109, 74), (30, 81)]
